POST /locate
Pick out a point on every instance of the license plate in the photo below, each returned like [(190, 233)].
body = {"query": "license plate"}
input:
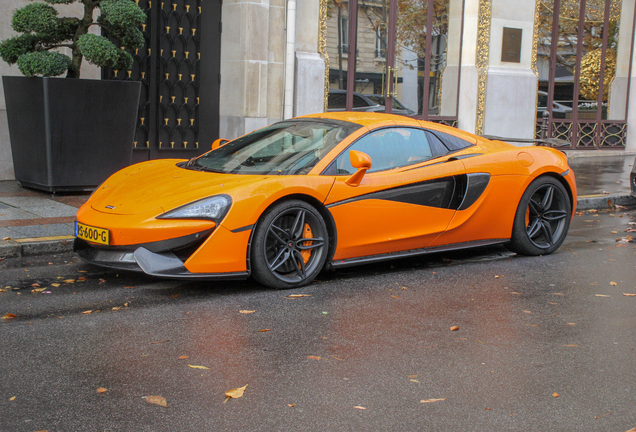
[(92, 234)]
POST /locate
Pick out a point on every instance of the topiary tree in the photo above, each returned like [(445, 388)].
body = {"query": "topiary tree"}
[(43, 31)]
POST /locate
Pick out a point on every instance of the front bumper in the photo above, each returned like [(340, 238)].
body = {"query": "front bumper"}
[(163, 258)]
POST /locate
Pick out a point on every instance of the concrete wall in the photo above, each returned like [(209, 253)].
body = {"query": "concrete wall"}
[(88, 71)]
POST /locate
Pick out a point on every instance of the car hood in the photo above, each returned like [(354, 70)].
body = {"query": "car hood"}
[(161, 186)]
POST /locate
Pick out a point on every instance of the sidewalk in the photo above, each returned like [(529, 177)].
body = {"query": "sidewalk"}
[(34, 222)]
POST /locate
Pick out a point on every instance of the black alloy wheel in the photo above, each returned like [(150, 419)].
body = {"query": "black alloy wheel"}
[(542, 219), (290, 245)]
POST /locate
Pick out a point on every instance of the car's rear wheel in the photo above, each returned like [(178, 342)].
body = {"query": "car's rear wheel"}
[(290, 245), (542, 219)]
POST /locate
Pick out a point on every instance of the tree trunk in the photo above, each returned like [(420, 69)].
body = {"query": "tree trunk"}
[(85, 23)]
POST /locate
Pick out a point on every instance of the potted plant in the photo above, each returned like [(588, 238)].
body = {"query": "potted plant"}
[(70, 134)]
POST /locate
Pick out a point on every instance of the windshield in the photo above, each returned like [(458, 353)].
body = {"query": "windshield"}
[(285, 148)]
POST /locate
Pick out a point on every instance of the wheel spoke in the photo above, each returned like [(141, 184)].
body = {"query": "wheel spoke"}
[(281, 258), (534, 228), (299, 224), (555, 215), (315, 242), (534, 207), (300, 268), (278, 233), (546, 203), (547, 232)]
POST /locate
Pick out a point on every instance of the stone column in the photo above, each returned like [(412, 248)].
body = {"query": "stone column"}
[(497, 97), (619, 85), (309, 86)]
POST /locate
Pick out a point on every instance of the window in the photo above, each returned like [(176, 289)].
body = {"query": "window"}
[(380, 41), (337, 100), (358, 102), (390, 148), (451, 142), (344, 34)]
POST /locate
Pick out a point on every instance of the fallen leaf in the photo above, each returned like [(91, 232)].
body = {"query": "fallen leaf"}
[(359, 407), (101, 390), (396, 297), (629, 295), (81, 278), (488, 409), (454, 328), (558, 294), (198, 367), (571, 346), (12, 398), (243, 311), (613, 283), (527, 312), (300, 295), (9, 316), (87, 312), (516, 293), (183, 357), (264, 330), (571, 324), (602, 295), (291, 405), (236, 393), (597, 417), (130, 287), (163, 341), (102, 280), (414, 380), (314, 357), (432, 400), (37, 290), (55, 285), (35, 285), (553, 303), (614, 232), (116, 308), (555, 394), (69, 280), (157, 400), (6, 238)]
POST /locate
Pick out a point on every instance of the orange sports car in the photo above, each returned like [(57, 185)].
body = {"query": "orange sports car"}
[(326, 190)]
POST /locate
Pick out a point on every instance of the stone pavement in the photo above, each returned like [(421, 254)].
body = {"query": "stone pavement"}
[(34, 222)]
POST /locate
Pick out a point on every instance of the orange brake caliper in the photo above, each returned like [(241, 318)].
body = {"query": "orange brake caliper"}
[(307, 252)]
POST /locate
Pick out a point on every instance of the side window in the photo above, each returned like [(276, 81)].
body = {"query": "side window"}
[(358, 102), (336, 100), (543, 100), (451, 142), (388, 149)]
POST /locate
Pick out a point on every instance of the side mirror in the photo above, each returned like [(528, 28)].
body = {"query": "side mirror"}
[(218, 143), (362, 162)]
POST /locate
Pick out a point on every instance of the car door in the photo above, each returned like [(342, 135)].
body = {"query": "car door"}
[(405, 199)]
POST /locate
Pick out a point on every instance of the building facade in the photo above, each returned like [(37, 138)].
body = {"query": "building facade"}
[(221, 69)]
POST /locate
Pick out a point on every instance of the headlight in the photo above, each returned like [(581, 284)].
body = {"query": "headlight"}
[(214, 208)]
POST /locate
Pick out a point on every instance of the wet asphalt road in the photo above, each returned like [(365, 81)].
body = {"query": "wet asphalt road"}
[(375, 337)]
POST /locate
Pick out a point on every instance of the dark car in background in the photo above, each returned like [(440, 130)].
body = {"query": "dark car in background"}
[(632, 179), (363, 102)]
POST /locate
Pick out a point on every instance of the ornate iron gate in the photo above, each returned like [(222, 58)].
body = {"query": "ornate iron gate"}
[(179, 69)]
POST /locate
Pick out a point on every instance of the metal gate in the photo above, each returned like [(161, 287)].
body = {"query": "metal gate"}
[(179, 69)]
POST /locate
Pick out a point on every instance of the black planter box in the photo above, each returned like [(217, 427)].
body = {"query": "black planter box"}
[(69, 134)]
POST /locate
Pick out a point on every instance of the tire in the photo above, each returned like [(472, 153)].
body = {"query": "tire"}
[(290, 245), (542, 219)]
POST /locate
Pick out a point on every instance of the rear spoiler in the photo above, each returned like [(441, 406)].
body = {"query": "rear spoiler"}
[(545, 142)]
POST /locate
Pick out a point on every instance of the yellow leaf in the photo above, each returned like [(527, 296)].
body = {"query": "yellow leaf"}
[(55, 285), (558, 294), (613, 283), (432, 400), (12, 398), (571, 346), (359, 407), (246, 311), (313, 357), (264, 330), (291, 405), (9, 316), (183, 357), (629, 295), (527, 312), (555, 394), (157, 400), (395, 297), (602, 295), (454, 328), (101, 390), (87, 312), (198, 367), (69, 280), (236, 393), (300, 295), (414, 380)]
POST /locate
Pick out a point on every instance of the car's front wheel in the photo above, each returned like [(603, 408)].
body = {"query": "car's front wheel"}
[(542, 219), (290, 245)]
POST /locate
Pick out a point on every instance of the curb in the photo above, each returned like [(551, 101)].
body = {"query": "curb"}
[(602, 202), (35, 246), (47, 245)]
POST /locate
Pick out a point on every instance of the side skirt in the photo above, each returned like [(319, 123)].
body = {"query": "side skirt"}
[(413, 252)]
